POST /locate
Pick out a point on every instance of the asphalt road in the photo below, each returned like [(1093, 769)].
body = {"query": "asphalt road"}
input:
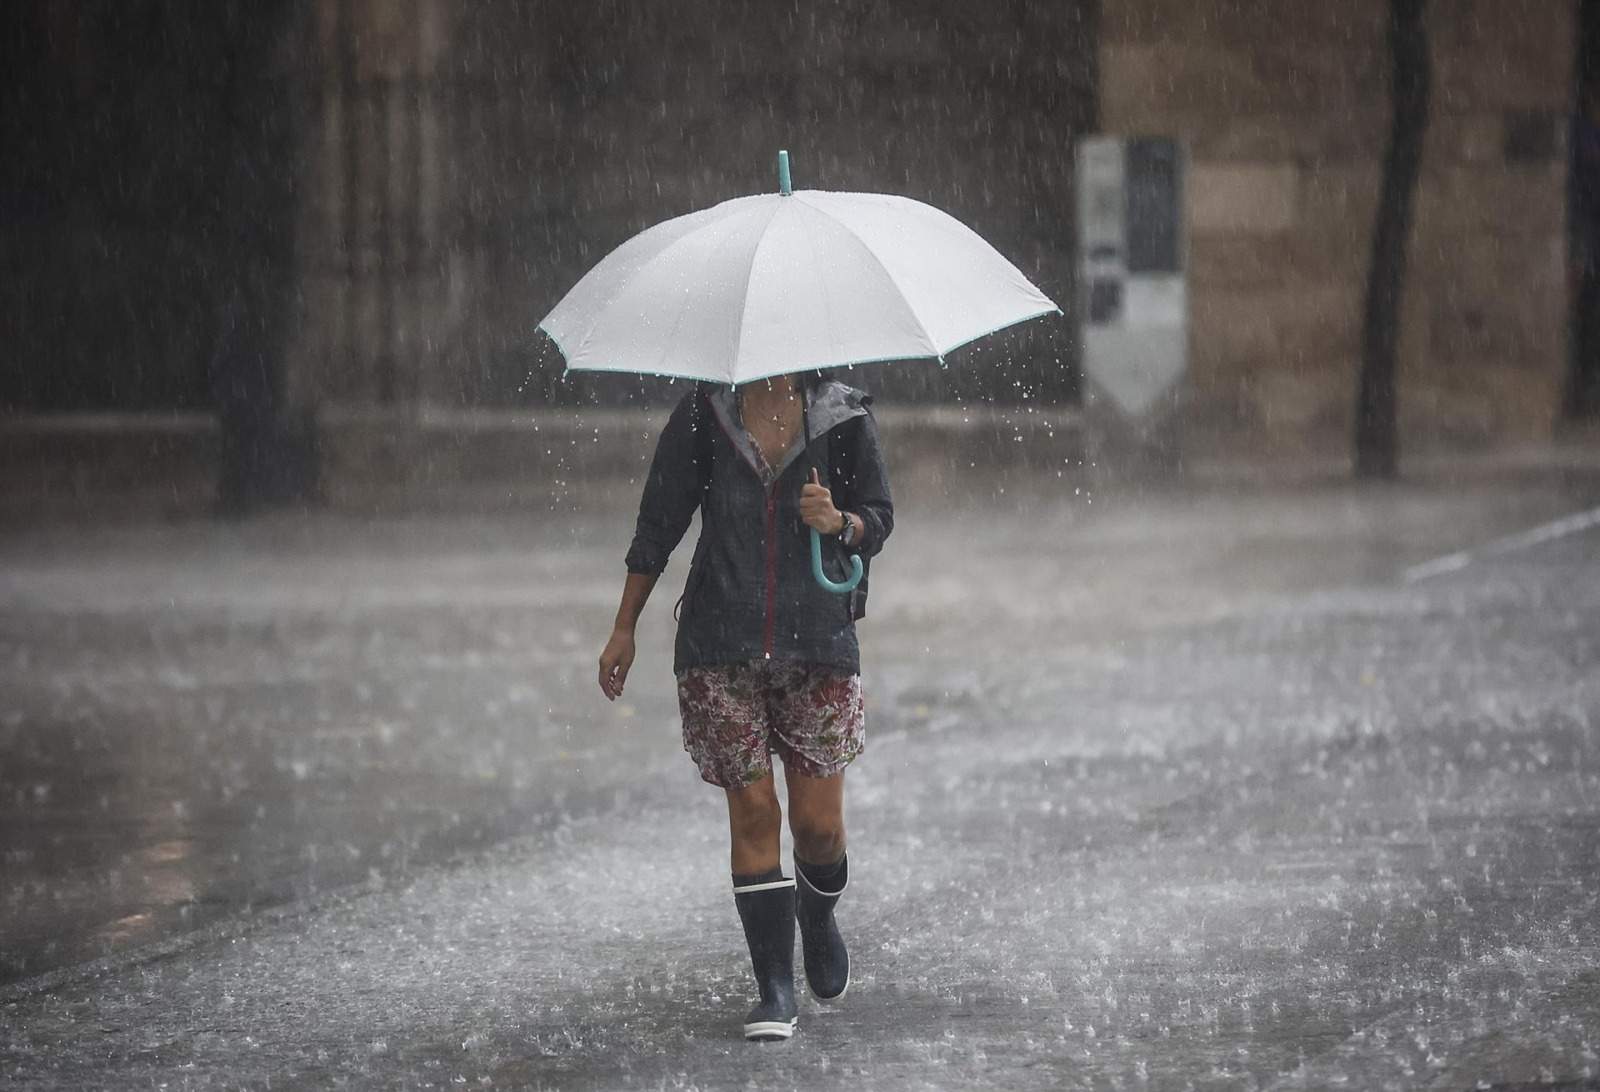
[(1164, 788)]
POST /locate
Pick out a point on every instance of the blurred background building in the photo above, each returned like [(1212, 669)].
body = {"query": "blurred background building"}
[(1286, 110), (294, 246)]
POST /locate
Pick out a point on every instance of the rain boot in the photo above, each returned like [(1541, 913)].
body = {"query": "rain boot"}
[(767, 911), (827, 961)]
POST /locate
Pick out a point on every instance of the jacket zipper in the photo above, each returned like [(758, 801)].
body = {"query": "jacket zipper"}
[(770, 622), (772, 570)]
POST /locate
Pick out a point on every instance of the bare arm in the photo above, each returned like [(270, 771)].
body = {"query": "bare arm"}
[(671, 494), (618, 655)]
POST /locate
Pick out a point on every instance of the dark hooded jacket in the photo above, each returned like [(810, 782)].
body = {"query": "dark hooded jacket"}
[(750, 593)]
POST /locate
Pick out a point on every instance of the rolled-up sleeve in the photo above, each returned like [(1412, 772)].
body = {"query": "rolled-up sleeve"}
[(671, 491), (865, 481)]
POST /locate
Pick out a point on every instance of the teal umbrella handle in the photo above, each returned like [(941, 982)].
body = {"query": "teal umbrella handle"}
[(822, 577)]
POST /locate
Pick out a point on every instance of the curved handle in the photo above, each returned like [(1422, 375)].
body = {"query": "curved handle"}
[(822, 577)]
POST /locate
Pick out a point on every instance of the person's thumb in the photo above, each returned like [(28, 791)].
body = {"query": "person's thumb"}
[(816, 478)]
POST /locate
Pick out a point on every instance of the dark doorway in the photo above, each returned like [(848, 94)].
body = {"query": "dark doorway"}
[(147, 146), (149, 201)]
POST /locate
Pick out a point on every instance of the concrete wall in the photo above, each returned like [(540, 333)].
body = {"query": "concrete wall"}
[(1284, 104)]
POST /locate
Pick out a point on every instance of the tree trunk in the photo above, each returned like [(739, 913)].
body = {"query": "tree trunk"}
[(1376, 440)]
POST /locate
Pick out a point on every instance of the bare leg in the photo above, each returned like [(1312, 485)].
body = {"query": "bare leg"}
[(766, 907), (816, 816), (755, 821)]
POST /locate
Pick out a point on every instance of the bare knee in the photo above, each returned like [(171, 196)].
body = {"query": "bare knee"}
[(754, 816), (818, 837), (754, 823)]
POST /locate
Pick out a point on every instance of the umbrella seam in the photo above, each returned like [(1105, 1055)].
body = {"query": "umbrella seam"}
[(622, 287), (683, 308), (827, 297), (676, 322), (933, 348), (749, 275)]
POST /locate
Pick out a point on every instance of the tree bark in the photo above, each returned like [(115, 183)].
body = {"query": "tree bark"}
[(1376, 427)]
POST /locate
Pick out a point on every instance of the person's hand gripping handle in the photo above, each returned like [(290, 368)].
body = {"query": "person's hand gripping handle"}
[(816, 506), (819, 513)]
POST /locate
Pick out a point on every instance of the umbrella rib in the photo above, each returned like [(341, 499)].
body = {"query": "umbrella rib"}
[(749, 275), (639, 272), (589, 327), (827, 298), (622, 288), (933, 348)]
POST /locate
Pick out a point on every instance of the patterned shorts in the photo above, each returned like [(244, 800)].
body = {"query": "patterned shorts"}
[(736, 715)]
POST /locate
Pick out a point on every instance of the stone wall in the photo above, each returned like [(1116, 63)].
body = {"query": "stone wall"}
[(1284, 105)]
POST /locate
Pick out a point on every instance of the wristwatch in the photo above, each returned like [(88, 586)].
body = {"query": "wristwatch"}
[(847, 533)]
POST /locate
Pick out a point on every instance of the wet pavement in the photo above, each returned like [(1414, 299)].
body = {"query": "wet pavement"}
[(1164, 788)]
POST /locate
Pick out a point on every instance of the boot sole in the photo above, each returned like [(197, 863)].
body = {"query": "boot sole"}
[(770, 1029)]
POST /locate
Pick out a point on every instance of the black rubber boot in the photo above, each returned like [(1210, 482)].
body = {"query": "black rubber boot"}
[(827, 961), (767, 911)]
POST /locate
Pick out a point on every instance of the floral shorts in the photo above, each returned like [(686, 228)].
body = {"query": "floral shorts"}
[(736, 715)]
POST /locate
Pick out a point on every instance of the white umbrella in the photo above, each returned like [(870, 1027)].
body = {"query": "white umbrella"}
[(787, 282)]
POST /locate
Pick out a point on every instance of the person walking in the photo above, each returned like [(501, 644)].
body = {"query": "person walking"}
[(766, 659)]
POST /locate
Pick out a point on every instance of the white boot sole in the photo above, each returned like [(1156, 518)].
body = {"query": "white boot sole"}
[(770, 1029)]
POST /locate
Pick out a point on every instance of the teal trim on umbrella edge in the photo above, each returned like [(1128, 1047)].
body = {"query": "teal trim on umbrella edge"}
[(1051, 310)]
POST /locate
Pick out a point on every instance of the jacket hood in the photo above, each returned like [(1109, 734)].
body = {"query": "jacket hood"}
[(828, 405)]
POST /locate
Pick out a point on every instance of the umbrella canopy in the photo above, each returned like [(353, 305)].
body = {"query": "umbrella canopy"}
[(777, 283)]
